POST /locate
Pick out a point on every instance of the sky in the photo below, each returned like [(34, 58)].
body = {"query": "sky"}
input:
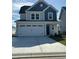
[(17, 4)]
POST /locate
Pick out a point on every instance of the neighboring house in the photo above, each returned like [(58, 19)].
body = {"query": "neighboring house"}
[(39, 19), (62, 19), (13, 30)]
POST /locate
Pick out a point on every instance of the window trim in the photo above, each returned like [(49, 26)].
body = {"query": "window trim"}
[(51, 14), (35, 17)]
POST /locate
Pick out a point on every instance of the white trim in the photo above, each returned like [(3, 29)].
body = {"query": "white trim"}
[(48, 7), (38, 12), (53, 8), (45, 3), (44, 12), (45, 9), (37, 3), (43, 16), (51, 14), (40, 22), (33, 5), (31, 24)]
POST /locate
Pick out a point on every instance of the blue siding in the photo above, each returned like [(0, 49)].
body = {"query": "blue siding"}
[(37, 7), (54, 14)]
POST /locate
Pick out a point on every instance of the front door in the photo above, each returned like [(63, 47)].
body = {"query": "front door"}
[(47, 29)]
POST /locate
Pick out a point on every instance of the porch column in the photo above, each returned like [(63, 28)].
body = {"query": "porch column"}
[(45, 30), (56, 28)]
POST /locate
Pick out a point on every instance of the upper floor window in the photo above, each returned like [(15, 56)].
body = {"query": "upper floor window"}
[(32, 16), (50, 16), (37, 16)]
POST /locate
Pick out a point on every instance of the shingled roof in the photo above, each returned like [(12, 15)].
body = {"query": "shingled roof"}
[(62, 9), (23, 9)]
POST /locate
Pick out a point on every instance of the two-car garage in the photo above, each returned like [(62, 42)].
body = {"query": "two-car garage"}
[(31, 30)]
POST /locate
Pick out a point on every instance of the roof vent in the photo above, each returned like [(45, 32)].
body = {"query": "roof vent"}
[(41, 5)]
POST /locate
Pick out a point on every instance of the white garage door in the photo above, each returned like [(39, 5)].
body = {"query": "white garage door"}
[(31, 30)]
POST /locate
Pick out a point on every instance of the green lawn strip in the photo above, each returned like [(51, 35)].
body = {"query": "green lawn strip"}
[(58, 39), (13, 35), (63, 41)]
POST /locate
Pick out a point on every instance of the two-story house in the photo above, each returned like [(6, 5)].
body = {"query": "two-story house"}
[(62, 19), (39, 19)]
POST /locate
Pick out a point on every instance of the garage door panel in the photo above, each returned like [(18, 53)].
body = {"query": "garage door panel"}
[(33, 30), (38, 31)]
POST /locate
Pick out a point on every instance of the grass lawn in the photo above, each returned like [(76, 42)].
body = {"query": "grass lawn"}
[(13, 35), (59, 39), (63, 41)]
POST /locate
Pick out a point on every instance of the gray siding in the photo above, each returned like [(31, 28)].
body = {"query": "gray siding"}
[(54, 14), (63, 22), (22, 16), (37, 7)]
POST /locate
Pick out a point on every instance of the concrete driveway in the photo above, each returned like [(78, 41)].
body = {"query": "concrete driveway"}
[(19, 42), (36, 45)]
